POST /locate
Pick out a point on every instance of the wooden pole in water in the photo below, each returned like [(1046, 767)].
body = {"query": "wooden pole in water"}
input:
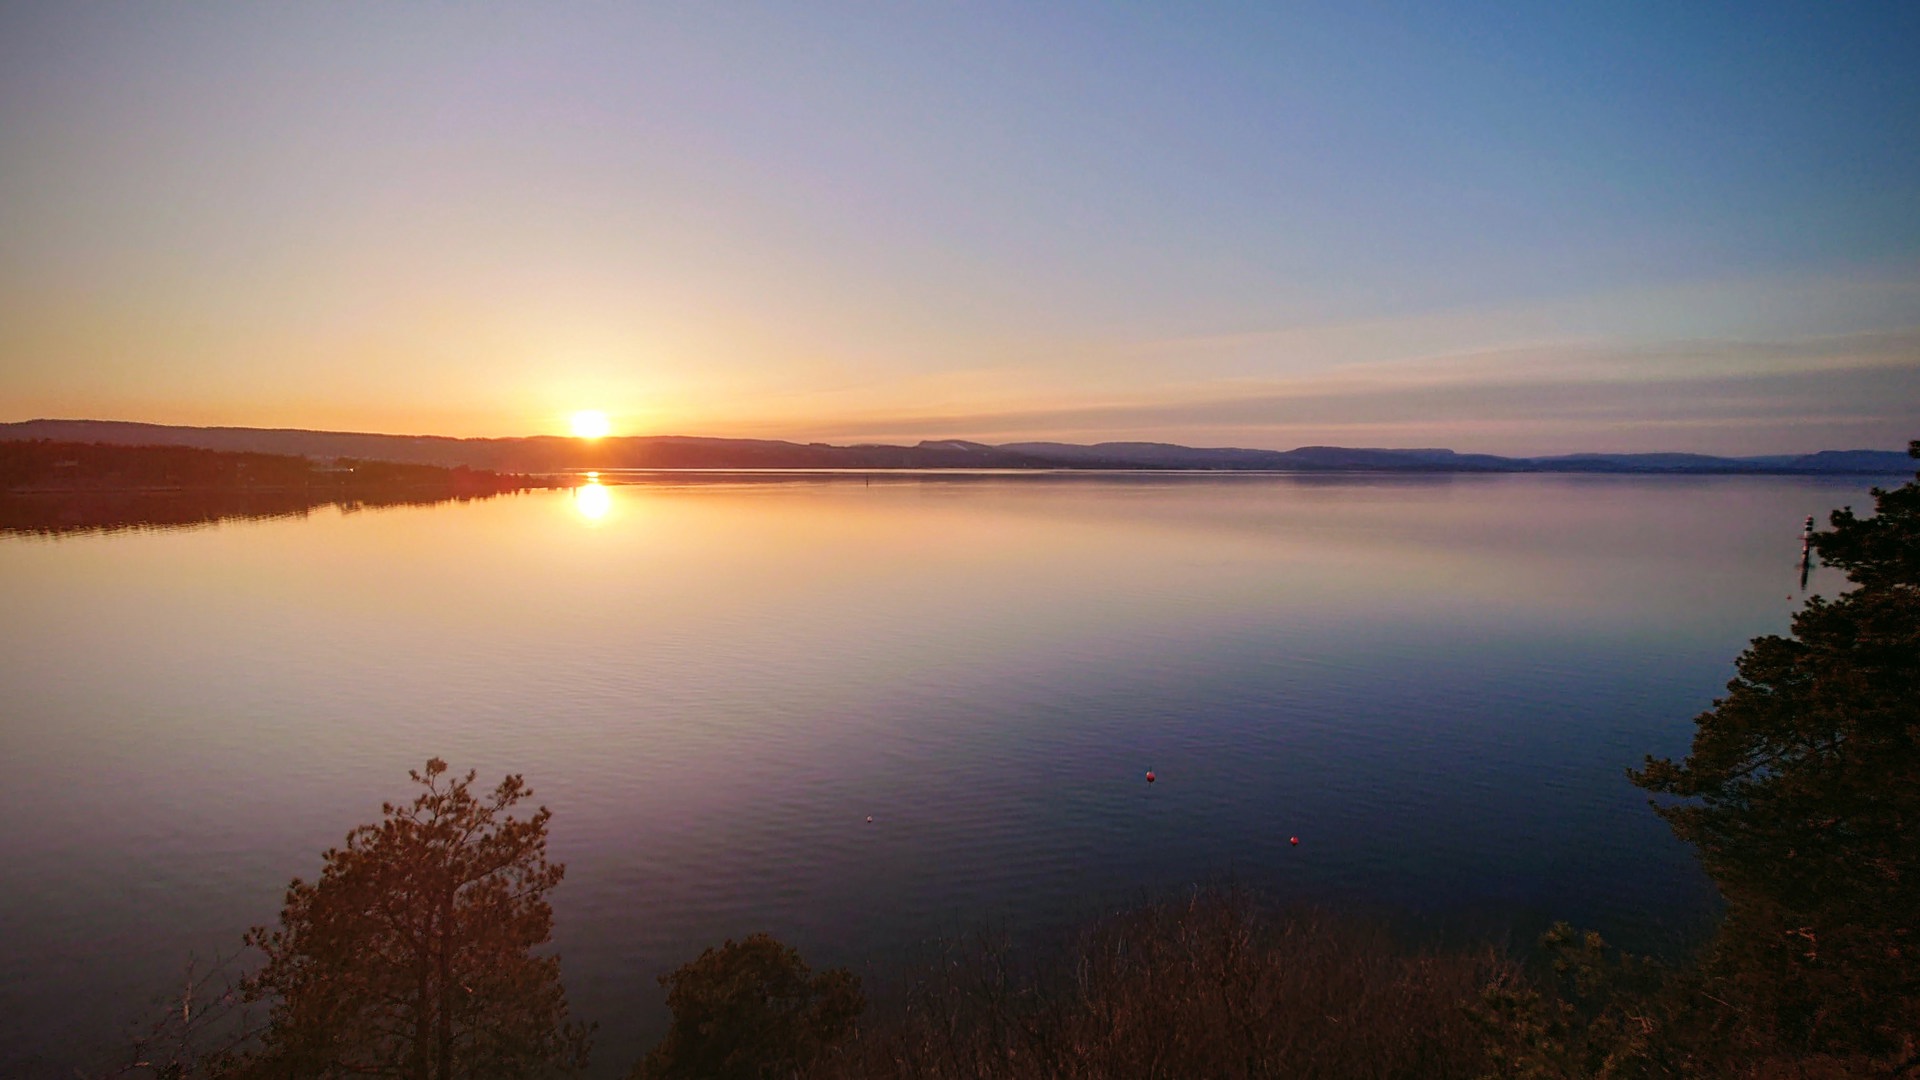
[(1806, 552)]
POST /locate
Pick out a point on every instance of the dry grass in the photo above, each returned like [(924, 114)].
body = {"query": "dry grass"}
[(1212, 986)]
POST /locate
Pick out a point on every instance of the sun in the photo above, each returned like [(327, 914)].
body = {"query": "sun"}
[(590, 424)]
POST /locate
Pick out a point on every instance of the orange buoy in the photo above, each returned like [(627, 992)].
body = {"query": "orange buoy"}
[(1294, 840), (1149, 776)]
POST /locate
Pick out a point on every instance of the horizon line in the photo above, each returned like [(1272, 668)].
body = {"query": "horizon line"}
[(947, 439)]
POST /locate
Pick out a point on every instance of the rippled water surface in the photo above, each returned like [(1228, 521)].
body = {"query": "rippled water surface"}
[(1436, 683)]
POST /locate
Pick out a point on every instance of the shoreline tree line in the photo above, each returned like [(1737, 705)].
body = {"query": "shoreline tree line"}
[(47, 467), (51, 488)]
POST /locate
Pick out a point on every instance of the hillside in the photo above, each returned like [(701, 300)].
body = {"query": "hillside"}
[(546, 454)]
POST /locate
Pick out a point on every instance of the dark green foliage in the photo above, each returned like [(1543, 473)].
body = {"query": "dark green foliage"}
[(411, 956), (1595, 1013), (1881, 550), (1802, 795), (751, 1010)]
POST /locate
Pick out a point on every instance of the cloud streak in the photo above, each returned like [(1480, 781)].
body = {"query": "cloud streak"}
[(1741, 396)]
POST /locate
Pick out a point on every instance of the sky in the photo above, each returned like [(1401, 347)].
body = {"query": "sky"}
[(1501, 228)]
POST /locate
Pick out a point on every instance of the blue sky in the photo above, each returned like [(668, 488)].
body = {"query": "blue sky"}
[(1508, 228)]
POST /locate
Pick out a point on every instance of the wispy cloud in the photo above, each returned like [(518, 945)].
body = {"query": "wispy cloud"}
[(1739, 395)]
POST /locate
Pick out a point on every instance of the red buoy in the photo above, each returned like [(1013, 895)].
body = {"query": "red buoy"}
[(1294, 840), (1149, 776)]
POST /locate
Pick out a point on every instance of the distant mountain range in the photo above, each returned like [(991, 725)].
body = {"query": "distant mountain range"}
[(546, 453)]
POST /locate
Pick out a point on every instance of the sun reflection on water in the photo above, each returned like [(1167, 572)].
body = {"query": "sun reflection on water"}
[(593, 500)]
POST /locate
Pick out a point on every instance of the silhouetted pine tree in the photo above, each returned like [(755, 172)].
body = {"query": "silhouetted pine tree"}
[(1802, 796), (411, 956)]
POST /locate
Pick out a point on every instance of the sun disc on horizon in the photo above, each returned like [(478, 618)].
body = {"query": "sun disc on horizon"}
[(590, 424)]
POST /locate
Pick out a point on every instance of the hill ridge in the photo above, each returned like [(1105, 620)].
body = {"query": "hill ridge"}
[(553, 453)]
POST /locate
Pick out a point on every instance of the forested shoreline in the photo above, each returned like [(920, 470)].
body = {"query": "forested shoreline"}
[(48, 467), (50, 488)]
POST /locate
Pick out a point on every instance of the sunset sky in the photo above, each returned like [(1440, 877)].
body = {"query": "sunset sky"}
[(1519, 229)]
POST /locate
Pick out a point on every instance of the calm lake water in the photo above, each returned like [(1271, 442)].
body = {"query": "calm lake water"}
[(1434, 682)]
